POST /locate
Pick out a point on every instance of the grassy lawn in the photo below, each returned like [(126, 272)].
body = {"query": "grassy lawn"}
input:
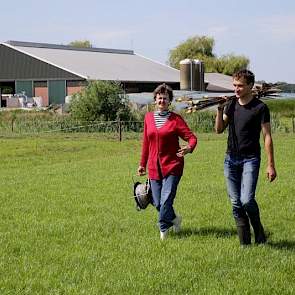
[(69, 225)]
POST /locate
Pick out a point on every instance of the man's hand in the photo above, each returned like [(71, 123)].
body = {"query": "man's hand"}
[(223, 102), (271, 173)]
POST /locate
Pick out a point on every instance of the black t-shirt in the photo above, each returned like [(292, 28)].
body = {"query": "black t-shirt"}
[(245, 127)]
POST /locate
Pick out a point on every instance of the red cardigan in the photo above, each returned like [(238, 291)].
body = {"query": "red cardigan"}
[(163, 144)]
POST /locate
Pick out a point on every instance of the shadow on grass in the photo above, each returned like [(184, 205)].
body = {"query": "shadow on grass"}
[(282, 245), (207, 231), (228, 233)]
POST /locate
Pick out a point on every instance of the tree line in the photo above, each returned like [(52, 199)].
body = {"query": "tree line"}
[(201, 47)]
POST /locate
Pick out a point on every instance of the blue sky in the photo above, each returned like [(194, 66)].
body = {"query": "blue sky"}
[(263, 31)]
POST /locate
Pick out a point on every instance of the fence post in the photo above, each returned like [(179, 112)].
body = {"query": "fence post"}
[(120, 129), (12, 124)]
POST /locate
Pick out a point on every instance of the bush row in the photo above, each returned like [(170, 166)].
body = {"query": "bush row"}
[(201, 122)]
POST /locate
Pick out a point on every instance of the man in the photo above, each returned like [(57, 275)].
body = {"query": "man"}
[(245, 117)]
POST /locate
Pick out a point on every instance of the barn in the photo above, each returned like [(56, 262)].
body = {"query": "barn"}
[(53, 71)]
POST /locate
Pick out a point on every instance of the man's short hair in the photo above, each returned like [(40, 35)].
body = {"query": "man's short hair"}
[(246, 74), (164, 88)]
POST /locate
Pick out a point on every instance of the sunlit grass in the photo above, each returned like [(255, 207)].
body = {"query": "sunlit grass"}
[(69, 224)]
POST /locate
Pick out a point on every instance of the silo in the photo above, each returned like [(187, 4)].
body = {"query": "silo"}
[(186, 69), (199, 75), (192, 75)]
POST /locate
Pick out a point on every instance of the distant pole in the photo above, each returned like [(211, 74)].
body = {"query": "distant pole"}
[(191, 75), (120, 129), (12, 124)]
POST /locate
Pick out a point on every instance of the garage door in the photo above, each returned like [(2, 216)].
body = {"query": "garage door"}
[(56, 91)]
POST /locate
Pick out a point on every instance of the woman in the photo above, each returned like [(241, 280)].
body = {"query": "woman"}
[(164, 156)]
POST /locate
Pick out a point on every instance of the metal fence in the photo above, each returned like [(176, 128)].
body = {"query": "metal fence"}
[(34, 127), (201, 123)]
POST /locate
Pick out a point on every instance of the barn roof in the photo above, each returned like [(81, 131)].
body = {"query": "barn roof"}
[(99, 63), (111, 64)]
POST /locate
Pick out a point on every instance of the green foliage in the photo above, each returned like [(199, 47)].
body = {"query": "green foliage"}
[(283, 107), (100, 100), (202, 48), (194, 47), (69, 224), (203, 121), (230, 63), (38, 122), (81, 44)]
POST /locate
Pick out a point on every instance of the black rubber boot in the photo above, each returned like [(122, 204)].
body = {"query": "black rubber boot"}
[(260, 237), (243, 229)]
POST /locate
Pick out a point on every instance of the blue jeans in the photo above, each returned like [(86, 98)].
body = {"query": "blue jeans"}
[(164, 192), (241, 176)]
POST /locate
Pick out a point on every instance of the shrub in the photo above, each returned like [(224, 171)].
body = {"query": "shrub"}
[(100, 100)]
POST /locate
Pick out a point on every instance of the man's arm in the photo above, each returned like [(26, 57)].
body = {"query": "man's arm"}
[(268, 145), (221, 120)]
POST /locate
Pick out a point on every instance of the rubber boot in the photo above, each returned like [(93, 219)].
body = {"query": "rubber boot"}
[(260, 237), (243, 229)]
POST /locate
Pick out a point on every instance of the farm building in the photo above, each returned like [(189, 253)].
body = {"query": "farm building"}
[(54, 71)]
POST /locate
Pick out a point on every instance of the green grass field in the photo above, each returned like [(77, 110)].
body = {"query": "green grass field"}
[(68, 223)]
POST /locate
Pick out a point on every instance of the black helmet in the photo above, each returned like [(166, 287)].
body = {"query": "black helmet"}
[(142, 194)]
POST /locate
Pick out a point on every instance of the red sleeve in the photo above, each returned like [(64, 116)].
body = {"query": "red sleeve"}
[(186, 134), (145, 145)]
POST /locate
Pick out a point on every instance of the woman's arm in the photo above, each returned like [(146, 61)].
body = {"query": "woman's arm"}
[(186, 134), (144, 151)]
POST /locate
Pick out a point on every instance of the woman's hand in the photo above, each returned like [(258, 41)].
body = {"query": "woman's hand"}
[(183, 151), (141, 171)]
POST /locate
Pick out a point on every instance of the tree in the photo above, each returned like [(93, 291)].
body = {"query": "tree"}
[(230, 63), (202, 48), (100, 100), (195, 48), (81, 44)]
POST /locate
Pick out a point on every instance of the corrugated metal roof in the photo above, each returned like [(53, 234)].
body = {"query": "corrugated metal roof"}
[(68, 47), (219, 82), (112, 64), (99, 63)]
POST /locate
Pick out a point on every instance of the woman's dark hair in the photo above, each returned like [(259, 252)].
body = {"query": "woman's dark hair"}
[(246, 74), (164, 88)]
